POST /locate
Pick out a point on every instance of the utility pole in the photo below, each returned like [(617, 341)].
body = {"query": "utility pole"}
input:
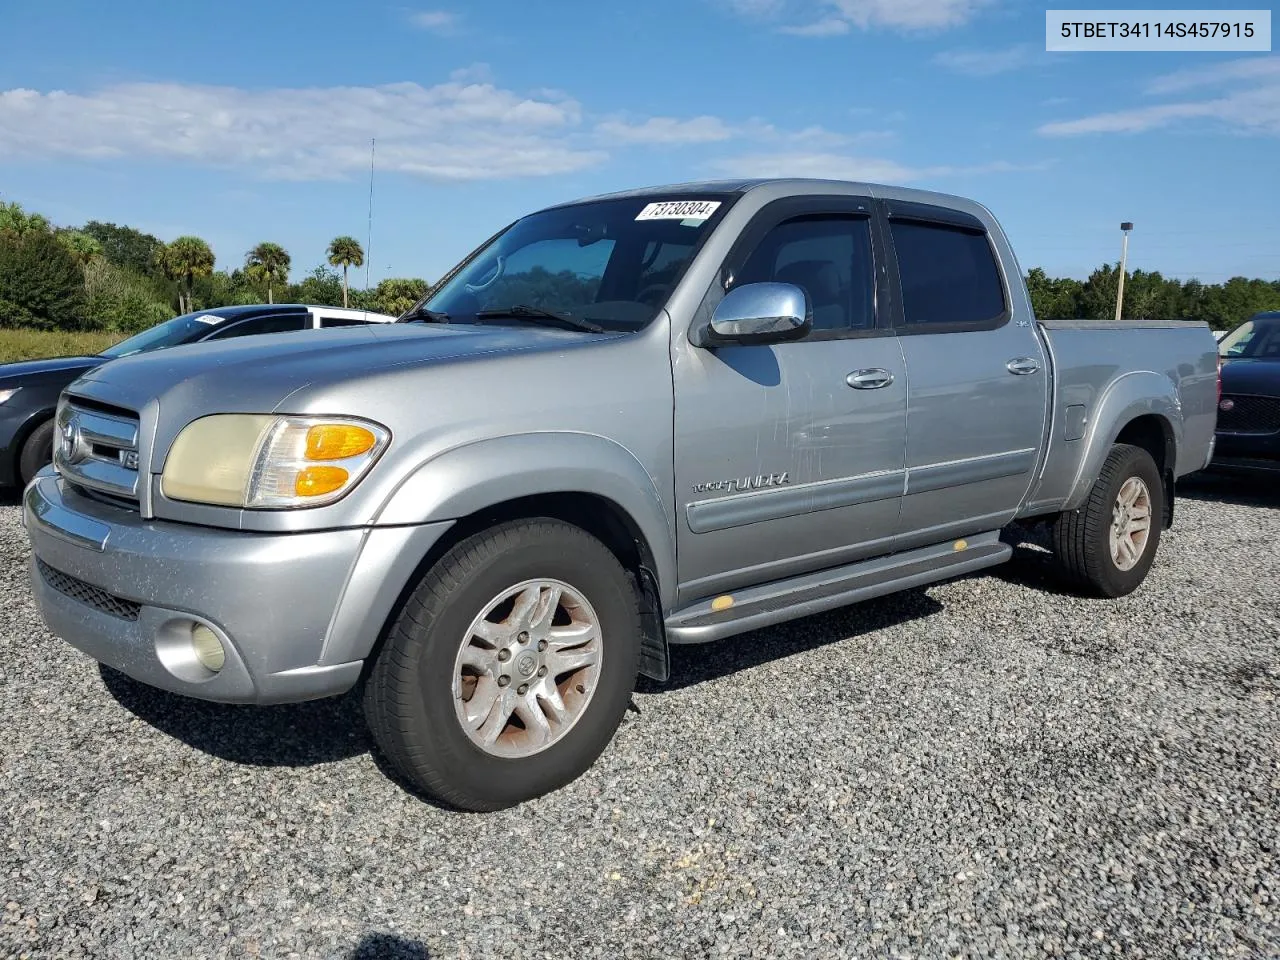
[(1124, 262)]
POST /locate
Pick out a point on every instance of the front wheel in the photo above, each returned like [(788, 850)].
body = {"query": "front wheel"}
[(1107, 546), (509, 668), (37, 452)]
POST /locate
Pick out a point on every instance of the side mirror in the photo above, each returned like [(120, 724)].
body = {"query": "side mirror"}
[(758, 313)]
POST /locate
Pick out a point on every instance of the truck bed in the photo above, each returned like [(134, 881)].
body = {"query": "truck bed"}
[(1106, 373)]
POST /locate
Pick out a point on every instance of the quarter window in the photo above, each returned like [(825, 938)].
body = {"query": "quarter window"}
[(829, 258), (948, 274)]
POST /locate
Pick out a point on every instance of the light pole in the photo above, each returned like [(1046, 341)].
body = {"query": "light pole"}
[(1124, 260)]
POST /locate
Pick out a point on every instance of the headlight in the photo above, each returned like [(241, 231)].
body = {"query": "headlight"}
[(258, 461), (7, 394)]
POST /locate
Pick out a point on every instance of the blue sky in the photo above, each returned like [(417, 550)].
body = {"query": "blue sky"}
[(245, 122)]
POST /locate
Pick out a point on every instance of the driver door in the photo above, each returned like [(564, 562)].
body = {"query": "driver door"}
[(790, 457)]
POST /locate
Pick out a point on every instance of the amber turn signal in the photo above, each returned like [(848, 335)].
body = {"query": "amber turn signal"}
[(337, 441), (317, 481)]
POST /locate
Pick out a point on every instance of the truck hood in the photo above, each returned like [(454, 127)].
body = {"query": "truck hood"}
[(1249, 376), (256, 374)]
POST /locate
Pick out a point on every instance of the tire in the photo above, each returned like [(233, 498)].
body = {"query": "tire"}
[(37, 451), (1082, 539), (415, 707)]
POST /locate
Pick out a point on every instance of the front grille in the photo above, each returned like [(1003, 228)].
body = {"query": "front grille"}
[(1250, 414), (96, 448), (87, 593)]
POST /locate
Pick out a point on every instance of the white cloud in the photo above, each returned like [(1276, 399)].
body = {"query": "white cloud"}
[(988, 63), (672, 131), (436, 21), (909, 14), (451, 131), (826, 27), (1127, 121), (825, 18), (757, 8), (836, 166), (1249, 105), (476, 73), (1251, 68), (666, 130)]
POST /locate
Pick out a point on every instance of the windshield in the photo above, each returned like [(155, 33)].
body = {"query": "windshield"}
[(611, 262), (171, 333), (1259, 339)]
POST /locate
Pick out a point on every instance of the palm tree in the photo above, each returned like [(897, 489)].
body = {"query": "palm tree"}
[(270, 262), (345, 252), (83, 248), (184, 260), (15, 220)]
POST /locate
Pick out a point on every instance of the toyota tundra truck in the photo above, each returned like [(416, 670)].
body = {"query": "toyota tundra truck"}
[(656, 417)]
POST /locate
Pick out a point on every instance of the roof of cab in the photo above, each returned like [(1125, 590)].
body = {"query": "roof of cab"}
[(801, 184)]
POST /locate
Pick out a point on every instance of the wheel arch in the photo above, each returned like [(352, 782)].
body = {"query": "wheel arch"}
[(1140, 408), (33, 422), (584, 480)]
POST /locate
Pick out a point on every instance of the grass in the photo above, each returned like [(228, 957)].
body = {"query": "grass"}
[(34, 344)]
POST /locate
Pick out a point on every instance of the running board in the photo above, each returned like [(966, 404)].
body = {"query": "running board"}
[(763, 606)]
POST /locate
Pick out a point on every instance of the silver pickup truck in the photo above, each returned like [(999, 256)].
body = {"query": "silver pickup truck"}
[(658, 417)]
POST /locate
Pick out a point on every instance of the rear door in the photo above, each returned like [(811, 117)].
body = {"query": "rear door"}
[(786, 461), (977, 378)]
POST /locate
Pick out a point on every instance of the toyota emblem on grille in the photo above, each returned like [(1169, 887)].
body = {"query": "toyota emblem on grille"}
[(70, 443)]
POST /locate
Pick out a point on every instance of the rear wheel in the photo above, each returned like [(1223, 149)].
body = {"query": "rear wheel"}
[(37, 452), (509, 668), (1108, 545)]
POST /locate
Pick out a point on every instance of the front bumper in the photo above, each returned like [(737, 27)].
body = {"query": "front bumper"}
[(1246, 451), (296, 613), (1245, 465)]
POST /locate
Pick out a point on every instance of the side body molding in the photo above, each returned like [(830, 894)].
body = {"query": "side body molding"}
[(469, 478), (1126, 398)]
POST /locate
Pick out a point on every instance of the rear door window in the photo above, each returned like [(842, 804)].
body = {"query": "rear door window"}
[(948, 275)]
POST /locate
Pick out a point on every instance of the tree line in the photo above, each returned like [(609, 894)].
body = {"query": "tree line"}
[(101, 276), (1149, 295)]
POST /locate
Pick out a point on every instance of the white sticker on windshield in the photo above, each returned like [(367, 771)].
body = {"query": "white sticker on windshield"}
[(695, 210), (208, 318)]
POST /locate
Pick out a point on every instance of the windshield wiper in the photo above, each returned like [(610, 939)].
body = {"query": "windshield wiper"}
[(422, 313), (522, 311)]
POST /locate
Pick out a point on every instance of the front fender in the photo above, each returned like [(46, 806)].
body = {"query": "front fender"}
[(486, 473), (1131, 395)]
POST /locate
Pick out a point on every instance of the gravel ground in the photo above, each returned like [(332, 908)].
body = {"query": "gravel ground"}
[(983, 768)]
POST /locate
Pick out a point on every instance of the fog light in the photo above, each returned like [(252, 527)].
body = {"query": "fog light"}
[(208, 647)]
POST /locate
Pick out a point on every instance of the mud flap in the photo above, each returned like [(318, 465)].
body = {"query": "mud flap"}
[(655, 662)]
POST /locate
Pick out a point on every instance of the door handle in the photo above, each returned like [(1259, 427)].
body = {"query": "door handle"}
[(1021, 366), (872, 378)]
